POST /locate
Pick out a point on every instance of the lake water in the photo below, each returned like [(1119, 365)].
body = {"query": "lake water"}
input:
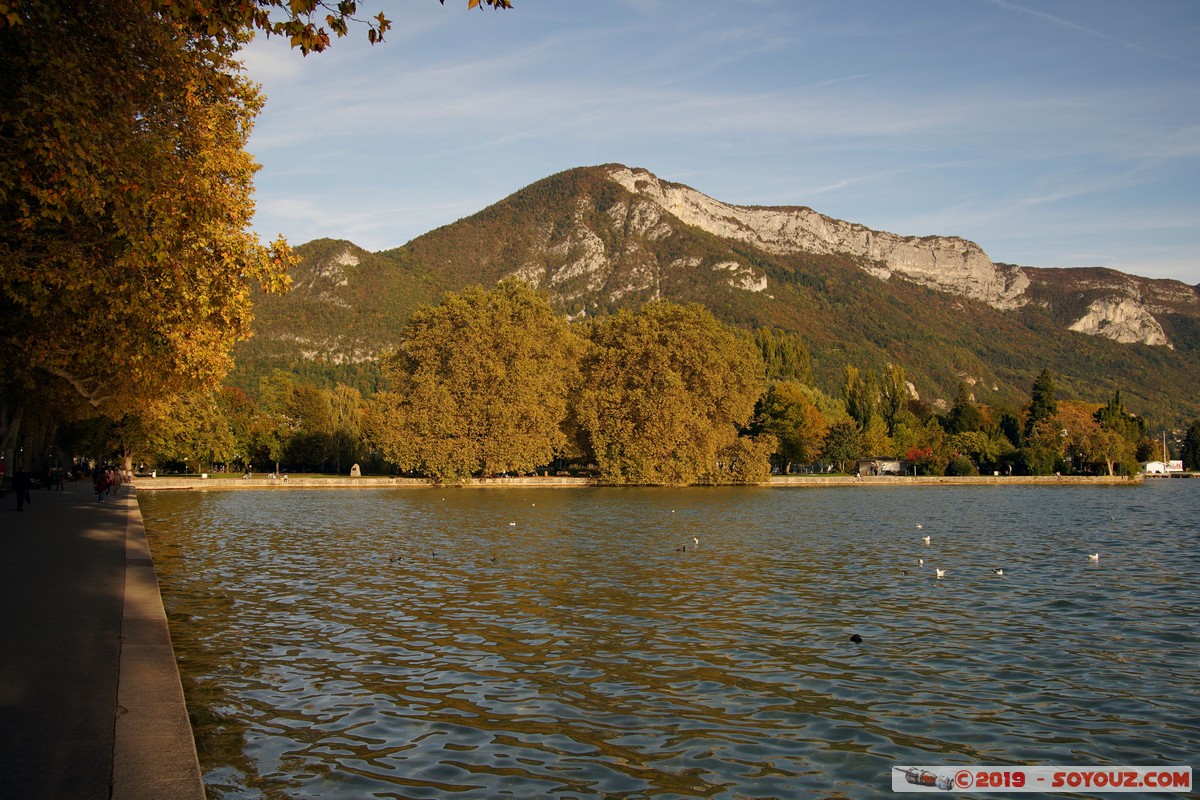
[(482, 643)]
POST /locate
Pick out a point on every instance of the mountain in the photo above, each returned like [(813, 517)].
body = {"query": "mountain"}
[(601, 238), (345, 307)]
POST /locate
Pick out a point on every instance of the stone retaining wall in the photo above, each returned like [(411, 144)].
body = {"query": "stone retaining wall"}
[(801, 481)]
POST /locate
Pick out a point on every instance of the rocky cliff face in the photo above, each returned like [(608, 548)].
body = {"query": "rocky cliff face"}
[(619, 260), (950, 264), (1121, 319), (1122, 308)]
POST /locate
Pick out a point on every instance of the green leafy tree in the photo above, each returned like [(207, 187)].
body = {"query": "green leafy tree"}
[(346, 411), (961, 465), (1010, 426), (1114, 417), (1043, 405), (843, 445), (480, 385), (964, 414), (274, 423), (985, 450), (875, 439), (893, 397), (1191, 447), (860, 396), (1042, 450), (1102, 445), (666, 389), (238, 410), (311, 443), (931, 451), (784, 354), (191, 429)]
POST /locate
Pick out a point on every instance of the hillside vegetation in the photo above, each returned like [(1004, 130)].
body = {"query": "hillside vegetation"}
[(595, 247)]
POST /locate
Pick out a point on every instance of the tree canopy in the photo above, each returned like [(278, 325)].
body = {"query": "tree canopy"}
[(125, 193), (1043, 404), (666, 391), (1191, 447), (480, 385), (789, 413), (126, 263)]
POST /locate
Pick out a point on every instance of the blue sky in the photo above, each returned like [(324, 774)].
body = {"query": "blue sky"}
[(1054, 133)]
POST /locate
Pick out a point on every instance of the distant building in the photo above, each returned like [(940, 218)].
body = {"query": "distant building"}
[(884, 466), (1155, 467)]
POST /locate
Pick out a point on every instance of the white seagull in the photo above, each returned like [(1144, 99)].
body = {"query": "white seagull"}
[(941, 573), (998, 572), (925, 540), (1094, 557)]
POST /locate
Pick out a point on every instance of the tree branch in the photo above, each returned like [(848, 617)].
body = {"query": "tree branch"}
[(93, 397)]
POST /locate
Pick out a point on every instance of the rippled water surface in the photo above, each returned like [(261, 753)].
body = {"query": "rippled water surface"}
[(481, 643)]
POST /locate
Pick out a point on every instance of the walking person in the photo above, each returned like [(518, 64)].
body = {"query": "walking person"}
[(22, 482), (100, 482)]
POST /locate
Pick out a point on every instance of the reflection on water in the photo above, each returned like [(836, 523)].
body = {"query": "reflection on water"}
[(577, 643)]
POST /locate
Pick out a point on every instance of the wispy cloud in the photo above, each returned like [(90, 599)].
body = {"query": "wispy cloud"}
[(1094, 33), (955, 120)]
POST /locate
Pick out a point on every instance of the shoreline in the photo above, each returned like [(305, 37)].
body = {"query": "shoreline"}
[(197, 483)]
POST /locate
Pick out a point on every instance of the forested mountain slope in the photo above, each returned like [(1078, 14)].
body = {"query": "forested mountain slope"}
[(601, 238)]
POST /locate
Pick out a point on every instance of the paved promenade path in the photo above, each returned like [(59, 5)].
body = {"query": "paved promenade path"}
[(91, 706)]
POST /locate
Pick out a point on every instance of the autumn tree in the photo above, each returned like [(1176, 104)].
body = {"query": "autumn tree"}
[(789, 413), (1076, 422), (666, 389), (306, 24), (126, 263), (125, 194), (479, 385), (746, 460)]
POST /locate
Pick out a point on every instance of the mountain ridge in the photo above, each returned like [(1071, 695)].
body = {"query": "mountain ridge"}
[(601, 238)]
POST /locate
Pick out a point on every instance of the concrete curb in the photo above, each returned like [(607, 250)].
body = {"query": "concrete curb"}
[(154, 752)]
